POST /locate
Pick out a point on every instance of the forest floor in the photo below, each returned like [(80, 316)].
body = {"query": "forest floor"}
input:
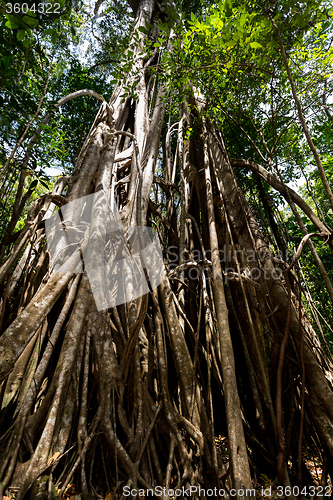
[(266, 488)]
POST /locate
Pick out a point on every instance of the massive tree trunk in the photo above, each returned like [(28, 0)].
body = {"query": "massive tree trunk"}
[(136, 394)]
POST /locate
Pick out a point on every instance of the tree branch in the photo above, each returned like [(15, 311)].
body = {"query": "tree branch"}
[(282, 188)]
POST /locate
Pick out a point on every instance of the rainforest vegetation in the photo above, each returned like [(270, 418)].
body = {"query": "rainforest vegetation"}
[(211, 125)]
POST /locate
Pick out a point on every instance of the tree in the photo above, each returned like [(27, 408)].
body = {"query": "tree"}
[(136, 390)]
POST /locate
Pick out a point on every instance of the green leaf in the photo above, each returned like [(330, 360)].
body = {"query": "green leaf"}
[(143, 30), (30, 21), (242, 19), (20, 35), (12, 24), (54, 37), (33, 184), (26, 42), (6, 61), (228, 10), (256, 45)]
